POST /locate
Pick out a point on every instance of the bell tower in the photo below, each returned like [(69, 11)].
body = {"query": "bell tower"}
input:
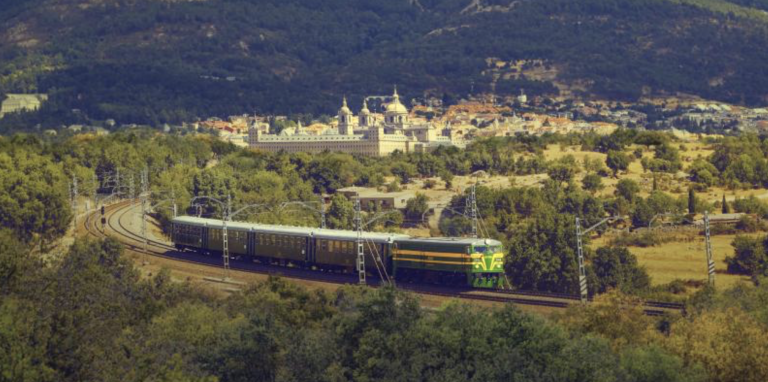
[(345, 119), (365, 118)]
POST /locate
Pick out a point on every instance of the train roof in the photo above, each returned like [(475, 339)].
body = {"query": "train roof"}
[(291, 230), (330, 233), (453, 240)]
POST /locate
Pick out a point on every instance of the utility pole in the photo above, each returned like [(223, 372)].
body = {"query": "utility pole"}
[(710, 261), (173, 201), (144, 195), (117, 182), (132, 188), (471, 209), (96, 187), (73, 194), (322, 211), (360, 253), (582, 269), (225, 238)]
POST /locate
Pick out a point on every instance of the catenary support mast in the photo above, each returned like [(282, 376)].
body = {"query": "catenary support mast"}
[(708, 244), (360, 252)]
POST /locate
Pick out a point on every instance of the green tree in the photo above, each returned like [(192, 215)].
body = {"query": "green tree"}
[(16, 264), (447, 177), (691, 201), (628, 190), (404, 171), (592, 183), (417, 206), (542, 255), (22, 344), (617, 161), (749, 257), (561, 172), (653, 363), (34, 196), (726, 209), (456, 226), (616, 267), (703, 172), (341, 213)]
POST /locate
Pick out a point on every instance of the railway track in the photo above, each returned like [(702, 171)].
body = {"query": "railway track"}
[(117, 227)]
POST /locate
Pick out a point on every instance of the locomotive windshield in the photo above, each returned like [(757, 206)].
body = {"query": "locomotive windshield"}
[(487, 248)]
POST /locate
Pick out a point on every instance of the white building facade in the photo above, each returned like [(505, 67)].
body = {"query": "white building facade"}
[(361, 134)]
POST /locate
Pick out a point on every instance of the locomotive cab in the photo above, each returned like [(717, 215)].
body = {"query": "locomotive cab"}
[(487, 270)]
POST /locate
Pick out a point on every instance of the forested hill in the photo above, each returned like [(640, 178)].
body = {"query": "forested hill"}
[(151, 61)]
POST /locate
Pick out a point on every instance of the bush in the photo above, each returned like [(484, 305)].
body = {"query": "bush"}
[(642, 239), (393, 186), (751, 205), (749, 224), (749, 256), (675, 287), (616, 267)]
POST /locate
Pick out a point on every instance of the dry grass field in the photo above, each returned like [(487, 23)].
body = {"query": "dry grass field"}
[(683, 259)]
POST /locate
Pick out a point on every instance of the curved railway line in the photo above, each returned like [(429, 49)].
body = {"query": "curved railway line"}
[(116, 227)]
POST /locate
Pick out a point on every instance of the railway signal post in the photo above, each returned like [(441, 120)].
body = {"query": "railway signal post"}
[(708, 245), (582, 269)]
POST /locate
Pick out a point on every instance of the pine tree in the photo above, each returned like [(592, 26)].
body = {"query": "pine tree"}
[(726, 207), (691, 201)]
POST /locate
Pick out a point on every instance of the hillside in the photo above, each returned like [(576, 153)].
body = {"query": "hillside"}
[(153, 61)]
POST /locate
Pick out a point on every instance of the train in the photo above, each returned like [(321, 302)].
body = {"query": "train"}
[(472, 262)]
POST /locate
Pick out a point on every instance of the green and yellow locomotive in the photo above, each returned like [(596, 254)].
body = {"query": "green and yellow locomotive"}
[(466, 261)]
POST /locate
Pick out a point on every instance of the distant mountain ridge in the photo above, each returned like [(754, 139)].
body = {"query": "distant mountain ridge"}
[(155, 61)]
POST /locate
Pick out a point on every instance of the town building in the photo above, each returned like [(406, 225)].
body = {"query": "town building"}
[(373, 199), (22, 102), (364, 134)]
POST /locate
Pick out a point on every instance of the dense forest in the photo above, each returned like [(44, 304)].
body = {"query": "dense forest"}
[(151, 62), (90, 316)]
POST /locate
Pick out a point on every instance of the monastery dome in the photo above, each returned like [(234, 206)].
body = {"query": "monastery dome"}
[(395, 107)]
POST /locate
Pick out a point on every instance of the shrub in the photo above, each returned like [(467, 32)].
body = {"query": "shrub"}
[(748, 224), (643, 239)]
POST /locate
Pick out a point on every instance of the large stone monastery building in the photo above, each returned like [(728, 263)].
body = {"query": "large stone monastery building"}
[(363, 135)]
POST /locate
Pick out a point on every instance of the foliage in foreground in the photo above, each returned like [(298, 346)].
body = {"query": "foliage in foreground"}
[(91, 317)]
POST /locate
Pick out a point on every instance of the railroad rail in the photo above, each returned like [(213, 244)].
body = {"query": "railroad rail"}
[(117, 228)]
